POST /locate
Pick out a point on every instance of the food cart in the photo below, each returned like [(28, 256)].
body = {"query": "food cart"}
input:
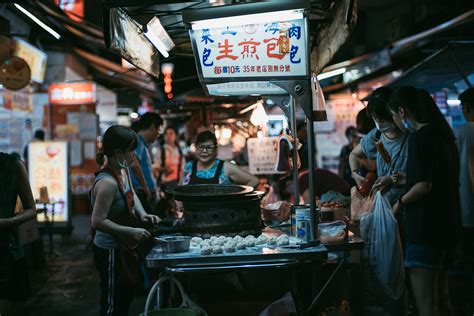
[(252, 49)]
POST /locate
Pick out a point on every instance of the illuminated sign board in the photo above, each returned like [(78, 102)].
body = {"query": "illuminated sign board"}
[(34, 57), (48, 167), (276, 49), (264, 46), (72, 93)]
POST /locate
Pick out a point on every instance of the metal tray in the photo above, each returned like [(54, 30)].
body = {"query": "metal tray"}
[(258, 254)]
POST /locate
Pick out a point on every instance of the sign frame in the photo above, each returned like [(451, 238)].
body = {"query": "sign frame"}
[(190, 16), (66, 222)]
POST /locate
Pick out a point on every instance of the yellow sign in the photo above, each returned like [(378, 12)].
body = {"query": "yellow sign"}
[(48, 167), (34, 57)]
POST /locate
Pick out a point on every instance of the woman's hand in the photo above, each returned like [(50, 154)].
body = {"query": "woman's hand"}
[(383, 184), (357, 178), (152, 219), (397, 208), (138, 234), (398, 178)]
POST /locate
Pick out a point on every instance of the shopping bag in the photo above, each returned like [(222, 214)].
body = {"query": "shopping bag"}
[(383, 248), (360, 204), (187, 307)]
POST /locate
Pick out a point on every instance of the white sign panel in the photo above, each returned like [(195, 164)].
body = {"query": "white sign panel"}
[(275, 49), (330, 136), (48, 167), (262, 155), (34, 57), (244, 88)]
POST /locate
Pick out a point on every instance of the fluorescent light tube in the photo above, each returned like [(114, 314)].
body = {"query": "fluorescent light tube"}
[(158, 36), (260, 18), (250, 107), (37, 21), (331, 73)]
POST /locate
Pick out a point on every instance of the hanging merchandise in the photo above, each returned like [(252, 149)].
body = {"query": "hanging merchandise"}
[(319, 105), (284, 160), (15, 73)]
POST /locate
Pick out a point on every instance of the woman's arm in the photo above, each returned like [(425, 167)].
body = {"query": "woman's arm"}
[(26, 198), (240, 176), (355, 158)]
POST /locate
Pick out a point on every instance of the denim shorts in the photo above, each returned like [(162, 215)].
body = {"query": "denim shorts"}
[(425, 256)]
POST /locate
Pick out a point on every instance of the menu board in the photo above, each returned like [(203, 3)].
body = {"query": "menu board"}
[(262, 155), (330, 136), (48, 167), (275, 49)]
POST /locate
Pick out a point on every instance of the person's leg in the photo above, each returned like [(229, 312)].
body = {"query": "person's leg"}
[(425, 289), (105, 262), (445, 307)]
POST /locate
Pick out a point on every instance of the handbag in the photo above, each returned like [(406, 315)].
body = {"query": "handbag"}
[(186, 308)]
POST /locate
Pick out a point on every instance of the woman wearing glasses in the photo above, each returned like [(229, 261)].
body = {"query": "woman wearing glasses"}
[(207, 169)]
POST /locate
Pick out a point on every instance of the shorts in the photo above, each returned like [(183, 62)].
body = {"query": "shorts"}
[(425, 256), (14, 282)]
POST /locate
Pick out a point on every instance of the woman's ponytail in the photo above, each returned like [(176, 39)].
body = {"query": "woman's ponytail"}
[(100, 158)]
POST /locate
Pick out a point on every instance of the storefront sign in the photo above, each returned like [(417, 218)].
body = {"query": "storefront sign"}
[(74, 9), (262, 155), (48, 167), (34, 57), (274, 49), (72, 93), (18, 100)]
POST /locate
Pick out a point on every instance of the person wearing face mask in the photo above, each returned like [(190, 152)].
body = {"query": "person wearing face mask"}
[(117, 215), (207, 169), (391, 137), (431, 202)]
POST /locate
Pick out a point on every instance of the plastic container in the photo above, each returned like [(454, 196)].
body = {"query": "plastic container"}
[(303, 223)]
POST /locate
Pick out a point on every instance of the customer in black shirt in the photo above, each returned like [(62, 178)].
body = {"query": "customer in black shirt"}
[(431, 203)]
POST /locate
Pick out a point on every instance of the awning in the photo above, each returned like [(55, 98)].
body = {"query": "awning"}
[(449, 67), (118, 74), (392, 57)]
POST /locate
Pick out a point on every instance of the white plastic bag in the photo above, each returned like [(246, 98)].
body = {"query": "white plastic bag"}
[(383, 248), (186, 303)]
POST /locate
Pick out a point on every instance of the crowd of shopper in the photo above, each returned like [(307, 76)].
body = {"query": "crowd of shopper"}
[(424, 168)]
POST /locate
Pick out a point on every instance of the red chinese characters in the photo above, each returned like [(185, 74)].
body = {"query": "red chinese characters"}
[(249, 49), (225, 51), (272, 45)]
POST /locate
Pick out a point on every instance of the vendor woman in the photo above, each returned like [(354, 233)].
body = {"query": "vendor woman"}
[(207, 169)]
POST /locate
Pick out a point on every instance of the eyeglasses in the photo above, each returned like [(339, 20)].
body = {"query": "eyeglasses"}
[(202, 148)]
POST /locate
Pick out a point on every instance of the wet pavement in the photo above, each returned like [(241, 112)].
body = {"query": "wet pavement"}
[(68, 284)]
